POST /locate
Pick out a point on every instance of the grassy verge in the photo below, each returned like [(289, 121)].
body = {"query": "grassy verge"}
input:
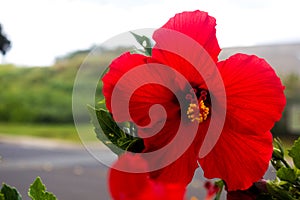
[(53, 131), (68, 132)]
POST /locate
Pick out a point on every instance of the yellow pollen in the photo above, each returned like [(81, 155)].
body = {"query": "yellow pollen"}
[(197, 113)]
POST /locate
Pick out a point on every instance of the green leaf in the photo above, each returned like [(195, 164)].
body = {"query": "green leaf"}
[(102, 104), (278, 151), (10, 193), (110, 133), (278, 192), (37, 191), (105, 128), (287, 174), (277, 164), (145, 42), (294, 152)]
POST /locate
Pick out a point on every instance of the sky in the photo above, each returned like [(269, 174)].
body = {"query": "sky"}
[(41, 30)]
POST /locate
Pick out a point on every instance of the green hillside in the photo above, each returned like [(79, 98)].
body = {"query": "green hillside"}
[(44, 94)]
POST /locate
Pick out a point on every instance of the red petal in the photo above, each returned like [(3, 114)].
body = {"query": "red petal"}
[(185, 68), (117, 69), (181, 171), (136, 186), (123, 184), (183, 162), (136, 86), (255, 98), (162, 191), (255, 101), (198, 25), (239, 158)]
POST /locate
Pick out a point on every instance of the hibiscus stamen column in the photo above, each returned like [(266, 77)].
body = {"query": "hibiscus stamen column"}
[(197, 110)]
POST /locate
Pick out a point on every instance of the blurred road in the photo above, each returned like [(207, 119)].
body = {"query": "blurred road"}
[(71, 173)]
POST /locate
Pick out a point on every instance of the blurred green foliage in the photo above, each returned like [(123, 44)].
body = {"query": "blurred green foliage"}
[(44, 94), (36, 94), (292, 87), (52, 131)]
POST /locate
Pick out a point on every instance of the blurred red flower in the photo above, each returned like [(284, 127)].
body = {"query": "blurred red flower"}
[(136, 186), (211, 189), (254, 96)]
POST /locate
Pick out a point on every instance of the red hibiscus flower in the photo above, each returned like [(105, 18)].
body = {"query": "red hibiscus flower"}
[(254, 102), (137, 186), (211, 189)]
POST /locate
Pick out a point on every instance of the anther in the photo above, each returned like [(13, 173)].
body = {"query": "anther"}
[(197, 113)]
